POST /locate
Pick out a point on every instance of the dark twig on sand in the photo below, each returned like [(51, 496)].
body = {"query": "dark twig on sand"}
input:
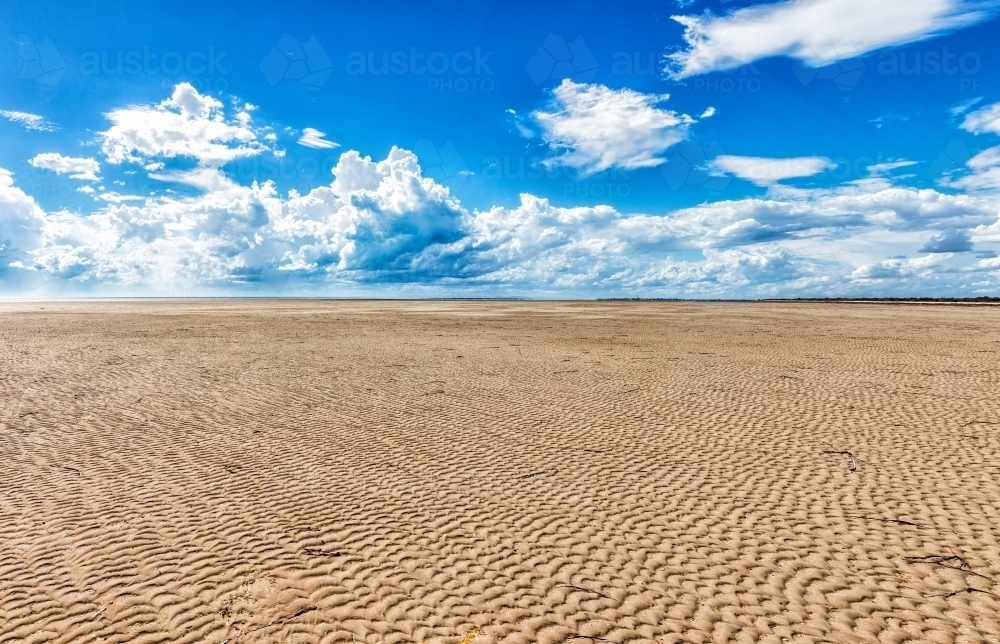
[(591, 638), (967, 589), (539, 473), (953, 562), (584, 590), (316, 552), (854, 461), (864, 516)]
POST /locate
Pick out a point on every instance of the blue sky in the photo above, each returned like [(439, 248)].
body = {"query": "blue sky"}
[(670, 149)]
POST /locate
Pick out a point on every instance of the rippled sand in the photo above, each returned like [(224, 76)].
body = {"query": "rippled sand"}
[(472, 472)]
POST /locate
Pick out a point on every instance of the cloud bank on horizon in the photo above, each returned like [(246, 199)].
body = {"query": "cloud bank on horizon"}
[(155, 203), (385, 223)]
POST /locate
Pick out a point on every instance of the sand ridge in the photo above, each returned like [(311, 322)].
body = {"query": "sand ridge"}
[(479, 472)]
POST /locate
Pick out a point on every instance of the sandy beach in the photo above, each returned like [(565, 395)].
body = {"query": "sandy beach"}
[(486, 472)]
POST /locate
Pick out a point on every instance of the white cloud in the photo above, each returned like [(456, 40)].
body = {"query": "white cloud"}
[(29, 121), (984, 172), (964, 106), (986, 119), (77, 168), (21, 223), (594, 128), (880, 169), (114, 197), (897, 268), (767, 171), (948, 241), (185, 125), (383, 225), (313, 138), (817, 32), (708, 113)]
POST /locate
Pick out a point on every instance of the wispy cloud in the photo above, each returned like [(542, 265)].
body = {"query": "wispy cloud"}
[(817, 32), (30, 121), (313, 138), (986, 119), (880, 169)]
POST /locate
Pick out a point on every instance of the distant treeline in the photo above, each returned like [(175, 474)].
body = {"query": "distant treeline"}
[(971, 300)]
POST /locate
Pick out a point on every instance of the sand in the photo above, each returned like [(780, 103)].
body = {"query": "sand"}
[(475, 473)]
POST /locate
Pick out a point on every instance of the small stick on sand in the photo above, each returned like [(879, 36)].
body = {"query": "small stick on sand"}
[(854, 461), (967, 589), (315, 552), (583, 590), (528, 476), (864, 516), (943, 561)]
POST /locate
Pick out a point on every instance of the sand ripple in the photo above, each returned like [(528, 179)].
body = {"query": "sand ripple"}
[(470, 473)]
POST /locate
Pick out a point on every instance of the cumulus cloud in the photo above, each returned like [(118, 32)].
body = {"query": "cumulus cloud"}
[(896, 268), (817, 32), (767, 171), (21, 223), (594, 128), (76, 168), (949, 241), (384, 222), (313, 138), (29, 121), (187, 124)]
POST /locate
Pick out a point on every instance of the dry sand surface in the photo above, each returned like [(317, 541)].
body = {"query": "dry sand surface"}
[(485, 472)]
